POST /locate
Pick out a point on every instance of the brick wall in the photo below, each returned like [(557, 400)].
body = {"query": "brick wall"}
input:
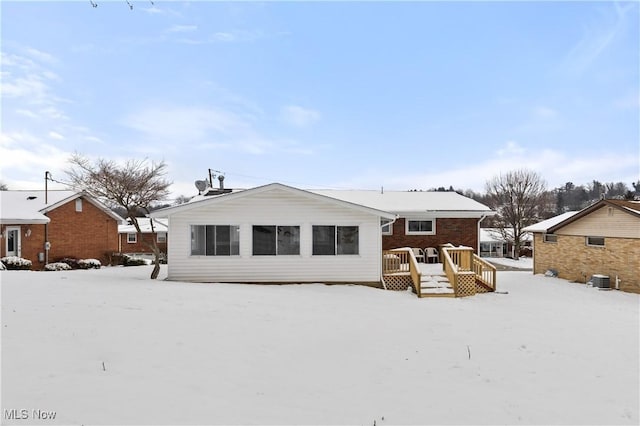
[(140, 246), (31, 244), (90, 233), (455, 231), (575, 261)]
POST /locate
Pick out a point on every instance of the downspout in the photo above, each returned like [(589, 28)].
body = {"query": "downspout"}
[(478, 233)]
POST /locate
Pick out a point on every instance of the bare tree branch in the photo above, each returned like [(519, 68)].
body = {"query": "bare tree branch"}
[(519, 198), (133, 186)]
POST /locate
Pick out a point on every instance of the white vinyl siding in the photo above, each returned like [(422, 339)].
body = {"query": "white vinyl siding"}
[(275, 207)]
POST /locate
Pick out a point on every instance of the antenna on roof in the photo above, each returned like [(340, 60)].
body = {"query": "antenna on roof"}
[(201, 185)]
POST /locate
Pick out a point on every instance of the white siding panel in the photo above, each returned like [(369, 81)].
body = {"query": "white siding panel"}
[(604, 222), (276, 207)]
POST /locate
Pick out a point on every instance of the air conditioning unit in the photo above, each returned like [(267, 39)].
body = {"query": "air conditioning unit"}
[(600, 281)]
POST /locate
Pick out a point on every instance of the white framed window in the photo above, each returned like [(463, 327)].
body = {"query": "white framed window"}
[(387, 229), (595, 241), (420, 227), (274, 240), (78, 204), (550, 238), (162, 237), (132, 238), (215, 240), (335, 240)]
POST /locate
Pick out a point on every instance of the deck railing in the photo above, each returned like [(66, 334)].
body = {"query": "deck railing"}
[(462, 261), (485, 272), (402, 261)]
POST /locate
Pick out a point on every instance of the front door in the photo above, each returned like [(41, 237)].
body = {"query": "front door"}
[(12, 241)]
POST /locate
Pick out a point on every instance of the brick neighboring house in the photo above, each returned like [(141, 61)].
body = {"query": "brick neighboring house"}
[(603, 238), (74, 223), (425, 218), (130, 242)]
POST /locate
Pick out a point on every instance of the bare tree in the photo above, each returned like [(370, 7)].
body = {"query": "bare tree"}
[(132, 186), (518, 197)]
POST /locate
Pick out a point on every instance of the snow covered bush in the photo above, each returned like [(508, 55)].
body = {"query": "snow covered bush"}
[(89, 264), (57, 266), (16, 263), (134, 261), (73, 263)]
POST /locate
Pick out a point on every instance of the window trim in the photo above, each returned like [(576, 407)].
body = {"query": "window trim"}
[(79, 205), (545, 240), (277, 250), (231, 254), (135, 237), (390, 231), (164, 240), (433, 226), (336, 251), (590, 244)]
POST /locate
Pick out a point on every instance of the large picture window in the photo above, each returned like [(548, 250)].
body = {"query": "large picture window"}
[(335, 240), (276, 240), (420, 227), (215, 240)]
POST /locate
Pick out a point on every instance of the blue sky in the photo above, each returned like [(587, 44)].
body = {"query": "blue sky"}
[(360, 95)]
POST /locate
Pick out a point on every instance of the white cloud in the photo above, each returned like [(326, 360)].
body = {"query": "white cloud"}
[(182, 29), (554, 166), (24, 156), (298, 116), (598, 35), (544, 112), (56, 136)]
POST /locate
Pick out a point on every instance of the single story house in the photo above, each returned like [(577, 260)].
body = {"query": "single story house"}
[(274, 233), (129, 242), (494, 244), (602, 239), (425, 218), (277, 233), (47, 226)]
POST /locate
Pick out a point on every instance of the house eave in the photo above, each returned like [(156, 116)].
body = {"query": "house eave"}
[(9, 221)]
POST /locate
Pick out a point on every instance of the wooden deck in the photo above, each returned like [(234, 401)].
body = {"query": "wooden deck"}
[(461, 274)]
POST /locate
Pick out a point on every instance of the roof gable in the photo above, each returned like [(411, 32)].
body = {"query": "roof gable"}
[(629, 207), (30, 207), (262, 189)]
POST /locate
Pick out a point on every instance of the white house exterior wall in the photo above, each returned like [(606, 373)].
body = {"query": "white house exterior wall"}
[(604, 222), (275, 207)]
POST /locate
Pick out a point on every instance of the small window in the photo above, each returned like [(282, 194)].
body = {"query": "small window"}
[(420, 227), (162, 237), (550, 238), (276, 240), (595, 241), (387, 229), (335, 240), (78, 204), (132, 238)]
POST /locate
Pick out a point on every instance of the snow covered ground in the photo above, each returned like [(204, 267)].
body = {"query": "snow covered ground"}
[(110, 346), (522, 263)]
